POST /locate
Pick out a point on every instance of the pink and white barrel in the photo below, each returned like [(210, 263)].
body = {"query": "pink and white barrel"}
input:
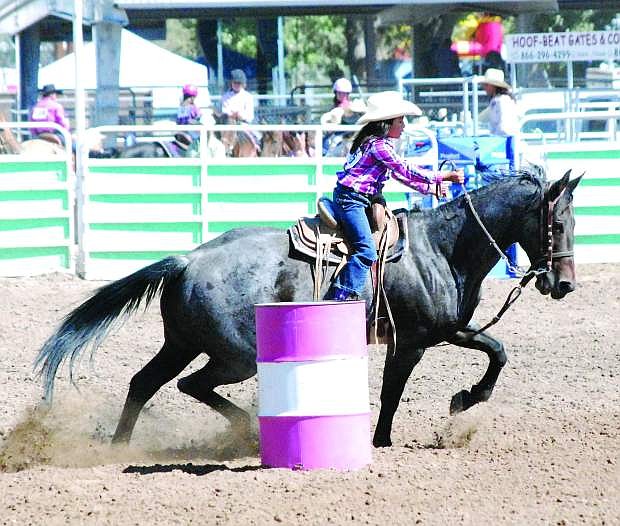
[(313, 385)]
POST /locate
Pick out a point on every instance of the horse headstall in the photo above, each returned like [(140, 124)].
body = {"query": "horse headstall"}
[(546, 235)]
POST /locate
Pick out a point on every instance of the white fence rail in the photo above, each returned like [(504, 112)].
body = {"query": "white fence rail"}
[(36, 210), (135, 211)]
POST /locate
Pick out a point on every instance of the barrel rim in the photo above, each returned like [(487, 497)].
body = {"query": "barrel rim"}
[(306, 303)]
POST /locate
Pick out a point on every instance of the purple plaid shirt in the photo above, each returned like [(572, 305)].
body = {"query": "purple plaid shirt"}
[(368, 168)]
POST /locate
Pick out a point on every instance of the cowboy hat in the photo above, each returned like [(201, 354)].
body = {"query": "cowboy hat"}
[(358, 106), (388, 105), (48, 89), (495, 77)]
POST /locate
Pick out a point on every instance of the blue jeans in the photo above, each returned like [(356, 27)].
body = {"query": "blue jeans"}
[(350, 208)]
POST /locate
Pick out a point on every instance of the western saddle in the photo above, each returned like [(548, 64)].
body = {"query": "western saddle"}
[(320, 238)]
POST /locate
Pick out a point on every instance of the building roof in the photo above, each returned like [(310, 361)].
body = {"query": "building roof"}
[(56, 15), (228, 8)]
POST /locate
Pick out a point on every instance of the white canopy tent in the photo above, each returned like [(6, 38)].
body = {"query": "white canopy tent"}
[(143, 65)]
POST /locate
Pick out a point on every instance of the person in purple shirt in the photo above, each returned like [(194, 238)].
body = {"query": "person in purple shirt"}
[(188, 112), (48, 109), (371, 162)]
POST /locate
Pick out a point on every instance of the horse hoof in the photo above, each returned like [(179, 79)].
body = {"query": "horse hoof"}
[(120, 440), (457, 404), (381, 441)]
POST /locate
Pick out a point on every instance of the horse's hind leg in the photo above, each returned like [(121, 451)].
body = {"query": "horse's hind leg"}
[(396, 372), (167, 364), (201, 384), (481, 391)]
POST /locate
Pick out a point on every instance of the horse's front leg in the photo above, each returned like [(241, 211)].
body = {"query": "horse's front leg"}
[(396, 372), (494, 349)]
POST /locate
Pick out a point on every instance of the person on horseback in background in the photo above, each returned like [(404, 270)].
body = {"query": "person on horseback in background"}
[(238, 106), (237, 102), (188, 112), (370, 163), (48, 109), (345, 111)]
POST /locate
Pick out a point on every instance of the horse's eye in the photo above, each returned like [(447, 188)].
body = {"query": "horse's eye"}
[(558, 227)]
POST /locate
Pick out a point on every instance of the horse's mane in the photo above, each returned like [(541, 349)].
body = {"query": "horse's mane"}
[(535, 175)]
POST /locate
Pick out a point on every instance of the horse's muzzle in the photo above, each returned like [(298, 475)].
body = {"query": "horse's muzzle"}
[(550, 283)]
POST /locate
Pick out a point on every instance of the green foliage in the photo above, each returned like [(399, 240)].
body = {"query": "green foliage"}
[(181, 37), (315, 45), (240, 35), (393, 38), (573, 20)]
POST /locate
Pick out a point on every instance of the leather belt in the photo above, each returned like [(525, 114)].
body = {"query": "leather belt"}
[(349, 189)]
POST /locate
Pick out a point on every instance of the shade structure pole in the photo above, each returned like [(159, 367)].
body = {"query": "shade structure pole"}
[(80, 121), (281, 77)]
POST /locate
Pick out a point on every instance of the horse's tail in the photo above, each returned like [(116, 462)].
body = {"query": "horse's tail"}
[(89, 324)]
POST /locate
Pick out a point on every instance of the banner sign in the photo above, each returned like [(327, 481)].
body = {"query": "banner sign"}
[(563, 47)]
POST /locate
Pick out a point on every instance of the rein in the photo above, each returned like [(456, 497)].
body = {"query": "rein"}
[(526, 276)]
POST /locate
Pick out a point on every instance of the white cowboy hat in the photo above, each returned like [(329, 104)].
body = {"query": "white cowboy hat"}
[(495, 77), (358, 106), (388, 105)]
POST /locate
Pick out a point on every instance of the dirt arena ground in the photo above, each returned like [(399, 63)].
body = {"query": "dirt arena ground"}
[(544, 450)]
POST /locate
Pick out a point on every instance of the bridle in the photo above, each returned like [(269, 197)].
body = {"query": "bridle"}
[(547, 255)]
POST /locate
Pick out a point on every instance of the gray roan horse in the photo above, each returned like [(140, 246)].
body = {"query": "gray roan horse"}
[(207, 297)]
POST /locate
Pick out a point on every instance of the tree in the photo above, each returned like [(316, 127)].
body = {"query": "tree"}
[(573, 20), (181, 37), (316, 48)]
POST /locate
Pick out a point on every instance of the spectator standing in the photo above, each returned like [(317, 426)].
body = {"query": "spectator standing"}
[(502, 114), (48, 109)]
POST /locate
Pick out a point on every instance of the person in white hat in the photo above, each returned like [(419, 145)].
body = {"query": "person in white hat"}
[(501, 115), (371, 162), (344, 111)]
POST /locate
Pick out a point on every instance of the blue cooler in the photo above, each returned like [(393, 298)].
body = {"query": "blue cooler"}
[(478, 156)]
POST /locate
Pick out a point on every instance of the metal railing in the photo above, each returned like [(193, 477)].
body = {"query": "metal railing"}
[(568, 131)]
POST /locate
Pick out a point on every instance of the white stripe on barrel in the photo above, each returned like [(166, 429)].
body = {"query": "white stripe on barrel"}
[(313, 385)]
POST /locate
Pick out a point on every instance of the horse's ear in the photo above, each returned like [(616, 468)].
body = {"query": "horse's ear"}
[(572, 184), (556, 188)]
